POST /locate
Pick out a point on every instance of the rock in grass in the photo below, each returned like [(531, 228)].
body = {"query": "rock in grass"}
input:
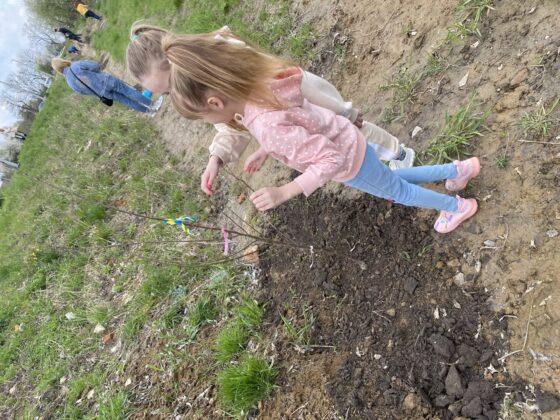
[(98, 329)]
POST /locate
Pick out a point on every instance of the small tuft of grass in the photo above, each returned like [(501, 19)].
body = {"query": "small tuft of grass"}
[(203, 310), (508, 410), (242, 386), (538, 123), (249, 313), (230, 342), (436, 64), (403, 86), (300, 335), (472, 12), (458, 131), (115, 407), (502, 161)]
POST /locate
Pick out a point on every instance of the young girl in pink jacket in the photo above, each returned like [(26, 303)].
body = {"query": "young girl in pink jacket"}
[(147, 63), (224, 82)]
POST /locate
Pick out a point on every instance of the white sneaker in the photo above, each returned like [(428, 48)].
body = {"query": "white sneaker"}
[(407, 162)]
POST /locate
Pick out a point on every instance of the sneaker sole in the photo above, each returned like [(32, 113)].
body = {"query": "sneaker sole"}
[(461, 219), (462, 187)]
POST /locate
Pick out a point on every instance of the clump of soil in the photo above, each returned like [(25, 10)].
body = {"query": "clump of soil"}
[(407, 339)]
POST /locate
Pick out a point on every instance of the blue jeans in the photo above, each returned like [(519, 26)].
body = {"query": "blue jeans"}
[(128, 96), (400, 185)]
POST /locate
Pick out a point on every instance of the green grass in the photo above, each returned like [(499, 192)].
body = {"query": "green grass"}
[(299, 331), (230, 341), (270, 24), (242, 386), (539, 123), (470, 14), (436, 64), (459, 130), (55, 260), (403, 88), (249, 313)]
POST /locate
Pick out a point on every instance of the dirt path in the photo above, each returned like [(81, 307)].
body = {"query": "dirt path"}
[(494, 283)]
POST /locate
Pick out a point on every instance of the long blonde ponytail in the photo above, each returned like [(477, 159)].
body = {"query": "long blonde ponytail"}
[(205, 62)]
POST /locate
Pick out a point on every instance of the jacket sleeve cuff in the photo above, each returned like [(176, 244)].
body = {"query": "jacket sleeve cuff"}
[(350, 112), (309, 182)]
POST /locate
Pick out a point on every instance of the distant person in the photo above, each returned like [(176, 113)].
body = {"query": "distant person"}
[(84, 10), (74, 50), (68, 34), (86, 78), (13, 133)]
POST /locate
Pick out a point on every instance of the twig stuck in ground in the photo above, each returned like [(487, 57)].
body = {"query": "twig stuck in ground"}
[(540, 142), (501, 359)]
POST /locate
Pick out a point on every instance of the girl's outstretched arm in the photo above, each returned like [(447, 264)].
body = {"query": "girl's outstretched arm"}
[(255, 161), (270, 197)]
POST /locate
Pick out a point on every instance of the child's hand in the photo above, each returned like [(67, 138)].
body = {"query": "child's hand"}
[(255, 161), (271, 197), (210, 173)]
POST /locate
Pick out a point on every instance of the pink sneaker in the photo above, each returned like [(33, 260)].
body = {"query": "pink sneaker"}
[(466, 170), (448, 221)]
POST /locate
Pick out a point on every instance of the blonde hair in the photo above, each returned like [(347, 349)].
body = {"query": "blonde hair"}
[(145, 48), (60, 64), (204, 62)]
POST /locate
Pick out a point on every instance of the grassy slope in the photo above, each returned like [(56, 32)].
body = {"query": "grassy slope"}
[(55, 260), (269, 24)]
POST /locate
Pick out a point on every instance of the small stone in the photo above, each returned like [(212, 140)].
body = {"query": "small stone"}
[(128, 382), (70, 316), (454, 263), (12, 390), (241, 198), (459, 279), (488, 242), (90, 394), (98, 329), (443, 400), (411, 401), (453, 384), (442, 345), (472, 409), (251, 255), (416, 131), (410, 285), (62, 380), (552, 233), (107, 338), (519, 78), (391, 396), (464, 80), (391, 312), (546, 402), (455, 408), (377, 356)]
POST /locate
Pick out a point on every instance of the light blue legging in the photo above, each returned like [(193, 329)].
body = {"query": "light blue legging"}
[(127, 95), (400, 185)]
